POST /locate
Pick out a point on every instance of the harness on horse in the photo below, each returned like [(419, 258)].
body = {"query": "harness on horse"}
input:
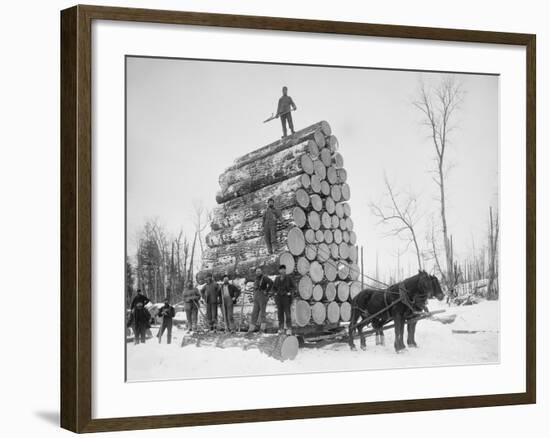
[(403, 298)]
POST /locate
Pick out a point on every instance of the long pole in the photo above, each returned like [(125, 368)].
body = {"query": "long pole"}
[(362, 270)]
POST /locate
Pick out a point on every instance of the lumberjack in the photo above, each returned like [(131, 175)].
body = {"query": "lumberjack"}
[(167, 312), (191, 297), (271, 216), (212, 297), (262, 289), (284, 287), (284, 108), (229, 295)]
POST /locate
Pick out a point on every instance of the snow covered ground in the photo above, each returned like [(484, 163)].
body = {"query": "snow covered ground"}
[(473, 338)]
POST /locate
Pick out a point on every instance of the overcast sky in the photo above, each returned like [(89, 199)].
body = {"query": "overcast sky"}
[(188, 120)]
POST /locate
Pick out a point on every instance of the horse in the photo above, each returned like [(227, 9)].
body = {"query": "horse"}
[(402, 302)]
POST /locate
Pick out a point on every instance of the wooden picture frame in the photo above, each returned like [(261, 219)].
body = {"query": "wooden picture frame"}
[(76, 217)]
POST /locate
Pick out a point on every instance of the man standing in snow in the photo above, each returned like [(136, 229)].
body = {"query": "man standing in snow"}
[(211, 294), (139, 298), (167, 313), (262, 289), (270, 219), (191, 297), (229, 295), (284, 287), (284, 108), (139, 321)]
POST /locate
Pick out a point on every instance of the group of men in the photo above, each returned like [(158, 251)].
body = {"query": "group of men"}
[(214, 296), (225, 296)]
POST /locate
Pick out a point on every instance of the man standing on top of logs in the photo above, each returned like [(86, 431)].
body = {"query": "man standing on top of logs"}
[(286, 105), (262, 289), (229, 295), (271, 216), (211, 294), (284, 287)]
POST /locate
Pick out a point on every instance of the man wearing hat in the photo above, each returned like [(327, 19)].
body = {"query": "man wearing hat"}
[(284, 108), (191, 297), (139, 298), (229, 295), (262, 290), (212, 297), (284, 287), (167, 313), (271, 216)]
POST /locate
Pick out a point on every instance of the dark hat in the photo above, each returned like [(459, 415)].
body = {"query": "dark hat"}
[(282, 267)]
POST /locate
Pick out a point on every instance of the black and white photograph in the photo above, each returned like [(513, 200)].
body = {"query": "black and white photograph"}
[(288, 219)]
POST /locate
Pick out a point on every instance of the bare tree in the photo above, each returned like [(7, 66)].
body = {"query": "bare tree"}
[(399, 211), (492, 285), (438, 106)]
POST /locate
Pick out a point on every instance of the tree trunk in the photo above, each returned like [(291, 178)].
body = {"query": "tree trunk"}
[(316, 132)]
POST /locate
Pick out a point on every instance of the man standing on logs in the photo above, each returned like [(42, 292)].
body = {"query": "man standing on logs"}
[(271, 216), (262, 289), (211, 295), (229, 295), (286, 105), (284, 287)]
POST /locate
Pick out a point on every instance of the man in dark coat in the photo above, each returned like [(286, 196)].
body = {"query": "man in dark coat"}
[(139, 321), (211, 294), (191, 297), (284, 287), (139, 298), (229, 295), (286, 104), (271, 216), (262, 290), (167, 313)]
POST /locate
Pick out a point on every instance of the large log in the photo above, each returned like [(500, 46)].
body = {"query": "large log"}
[(329, 236), (336, 192), (319, 236), (345, 311), (325, 188), (259, 174), (316, 186), (310, 236), (282, 162), (323, 252), (326, 220), (300, 312), (342, 293), (280, 347), (320, 169), (305, 287), (318, 313), (240, 269), (338, 160), (329, 291), (316, 202), (253, 228), (330, 205), (311, 251), (316, 271), (346, 193), (314, 220), (317, 294), (326, 156), (246, 249), (316, 132), (253, 205), (332, 175), (354, 272), (333, 312), (302, 265), (332, 143), (296, 242), (330, 271), (342, 175)]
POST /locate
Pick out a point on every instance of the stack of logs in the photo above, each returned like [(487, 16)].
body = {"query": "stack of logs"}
[(304, 174)]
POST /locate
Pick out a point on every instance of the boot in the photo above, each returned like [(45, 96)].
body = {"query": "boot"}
[(288, 332), (262, 327)]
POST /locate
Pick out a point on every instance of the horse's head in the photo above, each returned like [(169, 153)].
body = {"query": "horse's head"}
[(429, 284)]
